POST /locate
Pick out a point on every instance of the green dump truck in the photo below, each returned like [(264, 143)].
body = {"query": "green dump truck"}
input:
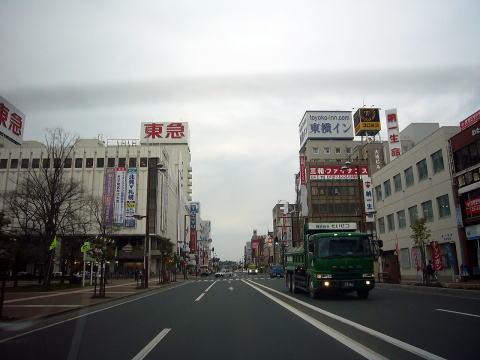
[(334, 258)]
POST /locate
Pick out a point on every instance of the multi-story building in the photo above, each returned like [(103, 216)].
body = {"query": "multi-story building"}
[(465, 147), (247, 253), (415, 185), (122, 166)]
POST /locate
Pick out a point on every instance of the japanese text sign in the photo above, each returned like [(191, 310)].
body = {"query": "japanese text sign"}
[(337, 173), (12, 121), (326, 125), (472, 119), (393, 132), (131, 197), (303, 180), (120, 195), (164, 132), (472, 206), (368, 197)]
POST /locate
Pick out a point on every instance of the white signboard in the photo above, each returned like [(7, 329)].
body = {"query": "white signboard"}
[(12, 121), (195, 208), (332, 226), (326, 125), (120, 195), (131, 198), (368, 197), (164, 132), (393, 131)]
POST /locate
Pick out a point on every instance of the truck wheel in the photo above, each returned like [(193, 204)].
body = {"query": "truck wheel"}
[(363, 293), (311, 290), (287, 282), (294, 286)]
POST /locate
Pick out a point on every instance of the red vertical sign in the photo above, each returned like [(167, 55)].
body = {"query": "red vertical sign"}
[(303, 180), (436, 256)]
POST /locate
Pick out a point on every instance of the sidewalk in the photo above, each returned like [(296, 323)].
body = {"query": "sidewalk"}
[(28, 305), (468, 285)]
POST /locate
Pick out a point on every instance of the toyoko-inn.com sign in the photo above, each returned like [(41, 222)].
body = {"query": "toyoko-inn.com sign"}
[(327, 125), (164, 132)]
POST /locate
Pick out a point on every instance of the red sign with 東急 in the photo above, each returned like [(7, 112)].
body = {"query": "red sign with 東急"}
[(436, 256), (472, 206)]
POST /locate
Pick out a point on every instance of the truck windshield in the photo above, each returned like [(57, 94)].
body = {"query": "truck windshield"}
[(352, 246)]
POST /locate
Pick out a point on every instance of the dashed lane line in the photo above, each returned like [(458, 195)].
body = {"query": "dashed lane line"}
[(149, 347), (457, 312)]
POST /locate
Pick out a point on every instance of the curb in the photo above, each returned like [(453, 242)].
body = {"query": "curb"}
[(66, 311), (430, 288)]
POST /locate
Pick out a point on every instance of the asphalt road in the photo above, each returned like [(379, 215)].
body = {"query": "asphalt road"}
[(254, 317)]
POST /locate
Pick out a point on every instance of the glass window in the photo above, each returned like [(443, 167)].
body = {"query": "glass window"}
[(132, 162), (152, 162), (437, 161), (25, 163), (89, 163), (474, 155), (100, 162), (387, 188), (412, 214), (378, 192), (422, 170), (68, 163), (409, 177), (3, 163), (390, 223), (57, 162), (443, 206), (405, 258), (122, 162), (381, 225), (402, 223), (78, 163), (348, 150), (13, 163), (326, 150), (111, 162), (315, 150), (46, 163), (338, 150), (143, 162), (35, 163), (397, 183), (427, 211)]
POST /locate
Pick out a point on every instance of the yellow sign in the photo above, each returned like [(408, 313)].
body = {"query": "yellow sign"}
[(369, 126)]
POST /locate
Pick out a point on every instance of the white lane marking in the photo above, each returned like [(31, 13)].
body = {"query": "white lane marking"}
[(230, 288), (90, 313), (199, 298), (457, 312), (206, 290), (42, 306), (403, 345), (350, 343), (149, 347)]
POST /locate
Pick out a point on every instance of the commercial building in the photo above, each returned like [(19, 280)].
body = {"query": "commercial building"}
[(417, 184), (116, 172)]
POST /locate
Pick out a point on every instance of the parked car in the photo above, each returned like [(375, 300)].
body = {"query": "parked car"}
[(277, 271), (220, 274), (57, 274), (252, 269)]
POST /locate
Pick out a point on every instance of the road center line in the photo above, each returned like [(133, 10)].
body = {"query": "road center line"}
[(206, 290), (403, 345), (93, 312), (200, 297), (457, 312), (149, 347), (350, 343)]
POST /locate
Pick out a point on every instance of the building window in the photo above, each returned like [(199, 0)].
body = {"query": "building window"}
[(132, 162), (143, 162), (409, 177), (405, 258), (443, 206), (13, 163), (348, 150), (437, 161), (326, 150), (412, 214), (89, 163), (397, 183), (78, 163), (378, 192), (68, 163), (381, 225), (46, 163), (467, 156), (315, 150), (3, 163), (122, 162), (25, 163), (35, 163), (390, 223), (111, 162), (402, 223), (422, 170), (338, 150), (100, 162), (427, 211), (387, 188)]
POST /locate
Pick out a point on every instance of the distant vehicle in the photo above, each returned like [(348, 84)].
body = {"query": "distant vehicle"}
[(204, 270), (24, 275), (227, 273), (57, 274), (277, 271), (80, 274), (220, 274), (252, 269)]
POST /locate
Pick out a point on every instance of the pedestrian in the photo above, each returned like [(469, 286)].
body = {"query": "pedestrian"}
[(430, 271), (136, 275)]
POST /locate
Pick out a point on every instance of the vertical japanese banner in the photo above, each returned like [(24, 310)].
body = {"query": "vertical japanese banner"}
[(415, 256), (393, 131), (108, 195), (303, 180), (436, 256), (193, 233), (131, 197), (368, 197), (120, 195)]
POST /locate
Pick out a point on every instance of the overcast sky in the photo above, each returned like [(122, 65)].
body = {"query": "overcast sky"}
[(242, 73)]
